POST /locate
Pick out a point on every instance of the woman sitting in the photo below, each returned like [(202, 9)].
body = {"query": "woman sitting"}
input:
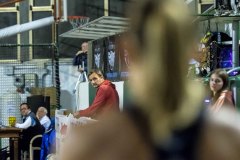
[(220, 95)]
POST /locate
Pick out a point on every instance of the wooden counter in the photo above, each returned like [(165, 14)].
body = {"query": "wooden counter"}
[(13, 134)]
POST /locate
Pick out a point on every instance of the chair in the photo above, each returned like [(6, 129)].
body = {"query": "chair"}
[(34, 148)]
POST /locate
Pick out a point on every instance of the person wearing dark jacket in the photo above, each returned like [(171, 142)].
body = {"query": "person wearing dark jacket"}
[(80, 58), (31, 127), (106, 100)]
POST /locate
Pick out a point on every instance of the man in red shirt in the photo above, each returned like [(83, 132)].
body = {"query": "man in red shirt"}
[(106, 99)]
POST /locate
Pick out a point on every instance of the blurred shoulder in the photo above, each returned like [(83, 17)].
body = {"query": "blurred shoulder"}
[(221, 136), (113, 137)]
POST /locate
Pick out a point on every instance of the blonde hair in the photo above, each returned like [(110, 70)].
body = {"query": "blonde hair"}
[(163, 38)]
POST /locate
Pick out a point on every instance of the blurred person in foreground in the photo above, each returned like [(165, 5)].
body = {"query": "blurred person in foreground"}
[(43, 118), (221, 96), (106, 99), (169, 121)]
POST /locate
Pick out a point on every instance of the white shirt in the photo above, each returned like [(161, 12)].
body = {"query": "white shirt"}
[(45, 121), (26, 124)]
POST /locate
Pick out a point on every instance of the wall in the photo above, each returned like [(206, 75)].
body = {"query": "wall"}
[(68, 78)]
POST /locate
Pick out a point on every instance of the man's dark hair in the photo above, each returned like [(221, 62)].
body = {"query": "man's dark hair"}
[(28, 106), (97, 71)]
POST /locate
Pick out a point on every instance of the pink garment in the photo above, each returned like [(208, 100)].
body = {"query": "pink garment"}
[(224, 100)]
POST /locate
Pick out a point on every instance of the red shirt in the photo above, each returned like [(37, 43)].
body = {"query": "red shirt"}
[(106, 100)]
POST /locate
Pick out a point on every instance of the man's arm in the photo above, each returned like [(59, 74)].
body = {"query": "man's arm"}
[(26, 124), (98, 102)]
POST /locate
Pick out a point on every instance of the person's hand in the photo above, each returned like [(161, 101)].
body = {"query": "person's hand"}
[(76, 115), (16, 125), (80, 69), (79, 52)]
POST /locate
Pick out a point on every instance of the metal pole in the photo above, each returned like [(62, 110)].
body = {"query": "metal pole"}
[(235, 44), (19, 28), (106, 7)]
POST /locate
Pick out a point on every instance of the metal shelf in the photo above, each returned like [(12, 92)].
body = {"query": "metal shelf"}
[(102, 27), (218, 19)]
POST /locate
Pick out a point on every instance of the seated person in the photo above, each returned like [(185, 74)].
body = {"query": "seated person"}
[(48, 141), (220, 95), (31, 127), (106, 99), (43, 118)]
